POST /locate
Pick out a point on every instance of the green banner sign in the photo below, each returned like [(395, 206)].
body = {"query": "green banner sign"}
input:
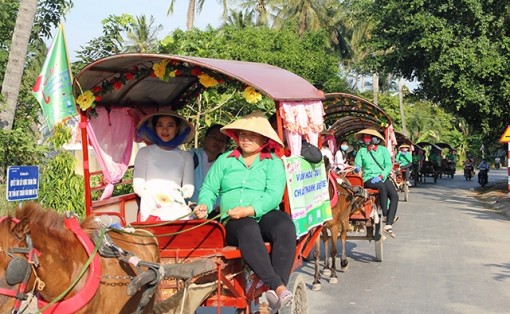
[(307, 186)]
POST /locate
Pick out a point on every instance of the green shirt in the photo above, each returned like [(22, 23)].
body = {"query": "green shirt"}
[(370, 168), (260, 186), (402, 159)]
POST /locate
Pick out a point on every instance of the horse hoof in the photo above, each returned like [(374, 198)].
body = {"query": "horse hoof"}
[(316, 287), (326, 272), (333, 280), (344, 268)]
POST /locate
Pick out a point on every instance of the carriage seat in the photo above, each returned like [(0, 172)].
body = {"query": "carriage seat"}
[(357, 180), (191, 239)]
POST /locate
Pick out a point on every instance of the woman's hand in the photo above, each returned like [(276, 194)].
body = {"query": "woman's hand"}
[(200, 211), (241, 212)]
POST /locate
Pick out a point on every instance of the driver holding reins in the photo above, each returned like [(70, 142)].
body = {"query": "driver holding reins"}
[(375, 160)]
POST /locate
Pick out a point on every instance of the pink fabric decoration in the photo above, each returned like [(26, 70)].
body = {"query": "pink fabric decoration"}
[(305, 118), (391, 140), (111, 134)]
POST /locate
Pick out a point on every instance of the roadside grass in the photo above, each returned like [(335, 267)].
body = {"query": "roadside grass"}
[(5, 206)]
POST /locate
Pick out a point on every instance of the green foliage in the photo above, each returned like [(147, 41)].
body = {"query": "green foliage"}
[(458, 50), (307, 56), (18, 148), (59, 187)]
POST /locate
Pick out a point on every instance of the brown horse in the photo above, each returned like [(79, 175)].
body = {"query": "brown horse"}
[(44, 252), (346, 200)]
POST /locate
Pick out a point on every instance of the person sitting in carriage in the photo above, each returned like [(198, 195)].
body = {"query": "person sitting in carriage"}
[(375, 160), (451, 157), (163, 173), (250, 181), (341, 156), (405, 160)]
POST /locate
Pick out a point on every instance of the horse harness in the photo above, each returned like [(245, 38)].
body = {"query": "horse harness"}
[(20, 269)]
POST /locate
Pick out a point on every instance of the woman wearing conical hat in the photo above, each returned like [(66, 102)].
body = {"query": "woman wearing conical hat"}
[(405, 160), (163, 173), (375, 160), (250, 181)]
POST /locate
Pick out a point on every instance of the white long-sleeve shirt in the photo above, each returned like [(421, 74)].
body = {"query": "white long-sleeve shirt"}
[(340, 162), (163, 179)]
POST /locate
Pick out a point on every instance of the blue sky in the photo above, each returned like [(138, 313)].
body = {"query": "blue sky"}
[(83, 22)]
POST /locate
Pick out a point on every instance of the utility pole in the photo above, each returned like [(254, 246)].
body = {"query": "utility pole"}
[(401, 103)]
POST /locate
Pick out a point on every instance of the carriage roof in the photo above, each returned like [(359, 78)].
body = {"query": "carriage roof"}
[(346, 114), (425, 144), (129, 80)]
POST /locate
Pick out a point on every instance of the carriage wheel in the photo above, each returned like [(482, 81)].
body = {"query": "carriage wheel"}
[(300, 303), (406, 192), (378, 242)]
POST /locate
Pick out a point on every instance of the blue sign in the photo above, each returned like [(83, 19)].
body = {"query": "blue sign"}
[(22, 183)]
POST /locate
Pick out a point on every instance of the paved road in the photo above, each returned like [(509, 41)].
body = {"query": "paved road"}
[(451, 255)]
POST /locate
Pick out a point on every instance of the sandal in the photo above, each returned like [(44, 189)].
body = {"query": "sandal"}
[(286, 298), (273, 300), (389, 231)]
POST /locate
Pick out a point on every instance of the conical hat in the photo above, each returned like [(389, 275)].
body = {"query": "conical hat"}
[(404, 146), (182, 126), (255, 122), (372, 132)]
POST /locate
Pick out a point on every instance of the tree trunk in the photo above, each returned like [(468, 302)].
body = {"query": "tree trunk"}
[(190, 18), (16, 62), (401, 104), (375, 87)]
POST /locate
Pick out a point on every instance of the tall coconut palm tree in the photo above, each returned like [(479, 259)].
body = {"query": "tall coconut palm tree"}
[(194, 6), (143, 36), (240, 19), (16, 61), (264, 10), (309, 14)]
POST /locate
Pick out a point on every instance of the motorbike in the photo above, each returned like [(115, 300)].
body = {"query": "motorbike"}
[(483, 177), (468, 171), (497, 163)]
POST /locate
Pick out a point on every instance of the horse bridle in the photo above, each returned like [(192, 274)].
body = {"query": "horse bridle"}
[(19, 272)]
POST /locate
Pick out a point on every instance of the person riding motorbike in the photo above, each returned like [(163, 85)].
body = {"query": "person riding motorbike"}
[(497, 162), (469, 167), (483, 173)]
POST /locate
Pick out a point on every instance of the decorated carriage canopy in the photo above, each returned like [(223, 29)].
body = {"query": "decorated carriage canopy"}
[(346, 114), (429, 146), (151, 80), (402, 139), (116, 92), (444, 146)]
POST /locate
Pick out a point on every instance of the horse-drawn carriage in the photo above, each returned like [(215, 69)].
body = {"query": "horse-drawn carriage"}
[(191, 266), (431, 167), (346, 114), (448, 163)]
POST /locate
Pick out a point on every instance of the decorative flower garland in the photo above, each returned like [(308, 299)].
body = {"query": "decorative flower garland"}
[(164, 70)]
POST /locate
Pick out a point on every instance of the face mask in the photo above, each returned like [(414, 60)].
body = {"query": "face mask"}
[(375, 140), (344, 147), (403, 152)]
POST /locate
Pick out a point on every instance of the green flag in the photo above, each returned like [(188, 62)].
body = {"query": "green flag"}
[(53, 88)]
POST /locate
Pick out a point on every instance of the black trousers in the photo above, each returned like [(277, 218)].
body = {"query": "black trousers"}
[(275, 227), (386, 191)]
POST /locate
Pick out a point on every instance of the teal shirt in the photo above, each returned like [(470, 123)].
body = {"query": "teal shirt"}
[(402, 159), (260, 186), (370, 168)]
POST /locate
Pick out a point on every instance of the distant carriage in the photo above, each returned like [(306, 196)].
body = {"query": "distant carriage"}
[(431, 167)]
